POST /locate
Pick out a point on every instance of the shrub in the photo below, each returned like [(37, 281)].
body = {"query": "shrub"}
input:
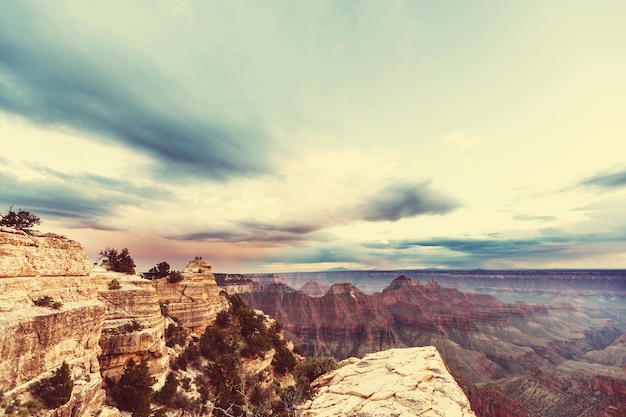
[(56, 390), (165, 395), (57, 305), (44, 301), (133, 326), (161, 270), (20, 220), (114, 285), (120, 261), (306, 372), (175, 335), (134, 389), (175, 277)]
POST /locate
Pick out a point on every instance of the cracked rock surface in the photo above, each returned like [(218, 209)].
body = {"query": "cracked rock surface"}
[(395, 382)]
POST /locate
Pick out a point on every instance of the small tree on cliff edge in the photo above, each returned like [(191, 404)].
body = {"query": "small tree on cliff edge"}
[(134, 389), (120, 261), (56, 390), (20, 220)]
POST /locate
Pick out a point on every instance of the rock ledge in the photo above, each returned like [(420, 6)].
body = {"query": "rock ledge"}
[(395, 382)]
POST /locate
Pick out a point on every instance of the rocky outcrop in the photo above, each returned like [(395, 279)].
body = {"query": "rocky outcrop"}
[(481, 339), (236, 283), (314, 289), (133, 327), (396, 382), (589, 288), (36, 339), (30, 255), (195, 301)]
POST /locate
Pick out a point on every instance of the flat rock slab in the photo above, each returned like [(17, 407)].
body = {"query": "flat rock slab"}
[(395, 382)]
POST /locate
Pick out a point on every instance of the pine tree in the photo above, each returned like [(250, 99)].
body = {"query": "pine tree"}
[(134, 390), (56, 390)]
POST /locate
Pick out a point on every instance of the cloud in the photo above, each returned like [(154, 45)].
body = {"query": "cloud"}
[(82, 200), (55, 78), (391, 203), (406, 200), (547, 245), (252, 232), (533, 218), (606, 180)]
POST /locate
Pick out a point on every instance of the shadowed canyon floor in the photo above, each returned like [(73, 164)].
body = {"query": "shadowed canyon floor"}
[(512, 359)]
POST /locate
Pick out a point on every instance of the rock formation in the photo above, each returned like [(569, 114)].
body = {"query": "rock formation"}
[(589, 288), (236, 283), (195, 301), (35, 339), (395, 382), (481, 339), (133, 327)]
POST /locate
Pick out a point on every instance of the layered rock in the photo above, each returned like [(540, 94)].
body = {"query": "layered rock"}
[(134, 326), (195, 301), (396, 382), (236, 283), (36, 254), (35, 340), (482, 339)]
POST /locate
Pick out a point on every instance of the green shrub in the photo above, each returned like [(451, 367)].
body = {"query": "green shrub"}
[(306, 372), (56, 390), (165, 395), (57, 305), (175, 277), (114, 285), (120, 261), (133, 326), (134, 389), (44, 301)]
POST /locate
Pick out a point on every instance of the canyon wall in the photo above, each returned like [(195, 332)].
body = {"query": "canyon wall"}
[(484, 341), (588, 288), (35, 340)]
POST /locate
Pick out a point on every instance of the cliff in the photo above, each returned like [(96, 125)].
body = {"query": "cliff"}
[(482, 339), (195, 301), (588, 288), (50, 270), (398, 382), (37, 254), (133, 326)]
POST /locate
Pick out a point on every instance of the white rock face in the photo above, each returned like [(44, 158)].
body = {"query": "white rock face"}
[(395, 382)]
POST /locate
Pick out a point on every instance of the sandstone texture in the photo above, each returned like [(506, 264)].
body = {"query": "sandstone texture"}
[(30, 255), (133, 327), (396, 382), (195, 301), (36, 340), (486, 343)]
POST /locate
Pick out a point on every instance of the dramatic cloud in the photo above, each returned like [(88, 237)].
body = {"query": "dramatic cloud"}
[(406, 200), (607, 180), (527, 248), (391, 203), (53, 80), (85, 200)]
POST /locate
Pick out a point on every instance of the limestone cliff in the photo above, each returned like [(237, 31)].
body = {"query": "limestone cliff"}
[(396, 382), (195, 301), (35, 339), (133, 327), (37, 254)]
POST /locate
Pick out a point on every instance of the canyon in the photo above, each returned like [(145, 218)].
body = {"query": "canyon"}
[(513, 359), (585, 288), (58, 311)]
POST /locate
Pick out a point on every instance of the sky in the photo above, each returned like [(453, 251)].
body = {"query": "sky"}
[(301, 136)]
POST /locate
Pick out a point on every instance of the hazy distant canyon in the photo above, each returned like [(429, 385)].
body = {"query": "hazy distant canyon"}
[(512, 358)]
